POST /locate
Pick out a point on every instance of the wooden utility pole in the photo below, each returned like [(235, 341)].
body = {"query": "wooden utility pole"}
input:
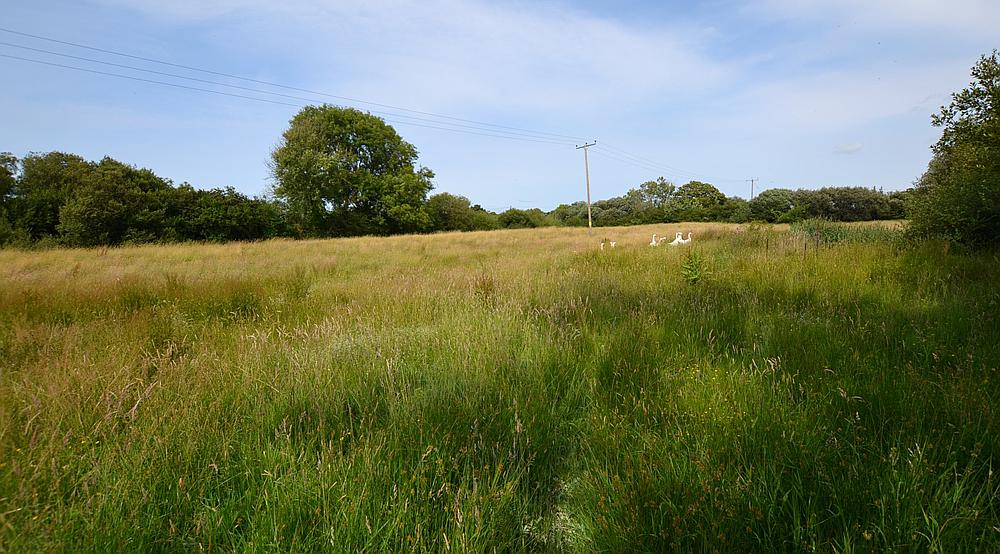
[(752, 182), (586, 171)]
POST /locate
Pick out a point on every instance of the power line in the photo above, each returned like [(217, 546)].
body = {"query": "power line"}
[(609, 155), (641, 165), (658, 169), (636, 162), (669, 170), (286, 87), (282, 95), (467, 126), (271, 101), (152, 81), (672, 169)]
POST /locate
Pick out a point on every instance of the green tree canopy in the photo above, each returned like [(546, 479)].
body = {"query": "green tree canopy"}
[(704, 195), (959, 195), (696, 201), (771, 204), (46, 182), (855, 203), (8, 180), (525, 219), (735, 210), (343, 171), (450, 212), (574, 214), (114, 203), (657, 193), (63, 198), (8, 176), (225, 214)]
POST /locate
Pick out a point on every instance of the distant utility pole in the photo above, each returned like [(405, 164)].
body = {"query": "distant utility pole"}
[(586, 170), (752, 182)]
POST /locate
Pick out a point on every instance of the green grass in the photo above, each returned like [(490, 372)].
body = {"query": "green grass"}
[(503, 391), (822, 231)]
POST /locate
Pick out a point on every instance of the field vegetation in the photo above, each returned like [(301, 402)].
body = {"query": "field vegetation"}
[(768, 388)]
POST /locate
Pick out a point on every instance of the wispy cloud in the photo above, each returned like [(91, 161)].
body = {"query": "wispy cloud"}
[(850, 148), (776, 88), (443, 54), (960, 18)]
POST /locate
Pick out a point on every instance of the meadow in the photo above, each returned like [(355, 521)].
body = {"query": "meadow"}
[(816, 388)]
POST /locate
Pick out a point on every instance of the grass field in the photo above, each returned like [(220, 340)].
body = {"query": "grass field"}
[(762, 389)]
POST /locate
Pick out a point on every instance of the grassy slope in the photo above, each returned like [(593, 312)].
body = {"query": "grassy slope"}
[(518, 390)]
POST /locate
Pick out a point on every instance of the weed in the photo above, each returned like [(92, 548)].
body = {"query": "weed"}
[(693, 269)]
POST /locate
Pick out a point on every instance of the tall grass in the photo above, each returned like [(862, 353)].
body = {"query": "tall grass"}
[(824, 231), (501, 391)]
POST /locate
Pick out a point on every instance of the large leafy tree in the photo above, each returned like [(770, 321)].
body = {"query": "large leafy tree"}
[(657, 193), (343, 171), (45, 183), (703, 194), (697, 201), (959, 195)]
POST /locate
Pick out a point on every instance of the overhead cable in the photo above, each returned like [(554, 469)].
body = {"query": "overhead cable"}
[(282, 86), (272, 101)]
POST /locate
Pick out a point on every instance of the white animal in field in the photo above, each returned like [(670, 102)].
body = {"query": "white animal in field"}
[(654, 241), (678, 239), (613, 243), (602, 246), (685, 241)]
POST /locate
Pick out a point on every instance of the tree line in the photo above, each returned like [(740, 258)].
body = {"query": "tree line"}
[(342, 172), (57, 198), (660, 201)]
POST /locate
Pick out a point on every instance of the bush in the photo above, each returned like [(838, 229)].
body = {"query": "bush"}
[(525, 219), (449, 212), (771, 204)]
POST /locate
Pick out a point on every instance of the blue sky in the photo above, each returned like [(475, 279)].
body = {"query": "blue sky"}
[(795, 93)]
